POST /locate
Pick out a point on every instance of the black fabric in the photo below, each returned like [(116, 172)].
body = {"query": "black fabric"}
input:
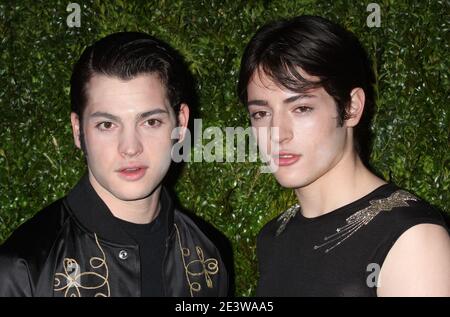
[(150, 238), (95, 216), (291, 264), (74, 247), (93, 213)]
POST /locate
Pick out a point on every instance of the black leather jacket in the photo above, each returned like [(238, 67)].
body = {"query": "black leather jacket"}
[(74, 248)]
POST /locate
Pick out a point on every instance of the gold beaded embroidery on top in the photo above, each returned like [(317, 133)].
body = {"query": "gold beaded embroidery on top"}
[(356, 221), (286, 217)]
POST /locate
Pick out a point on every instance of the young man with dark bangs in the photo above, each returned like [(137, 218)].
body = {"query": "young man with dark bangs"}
[(351, 233)]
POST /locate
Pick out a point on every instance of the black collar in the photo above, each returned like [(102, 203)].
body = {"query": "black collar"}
[(93, 214)]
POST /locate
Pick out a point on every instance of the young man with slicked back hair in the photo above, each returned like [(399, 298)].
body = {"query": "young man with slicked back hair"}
[(117, 232)]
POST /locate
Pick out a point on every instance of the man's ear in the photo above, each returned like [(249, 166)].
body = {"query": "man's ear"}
[(183, 119), (75, 120), (356, 108)]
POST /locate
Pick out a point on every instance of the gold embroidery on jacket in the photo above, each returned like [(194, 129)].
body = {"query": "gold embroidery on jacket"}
[(366, 215), (209, 266), (70, 280)]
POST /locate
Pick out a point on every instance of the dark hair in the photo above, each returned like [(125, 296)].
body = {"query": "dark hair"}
[(126, 55), (320, 48)]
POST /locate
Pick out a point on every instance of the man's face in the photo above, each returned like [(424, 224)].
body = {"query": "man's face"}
[(309, 142), (127, 132)]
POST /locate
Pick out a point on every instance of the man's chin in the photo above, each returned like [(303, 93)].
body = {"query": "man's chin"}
[(134, 191), (291, 181), (131, 197)]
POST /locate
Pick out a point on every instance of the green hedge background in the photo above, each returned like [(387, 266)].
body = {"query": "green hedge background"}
[(39, 163)]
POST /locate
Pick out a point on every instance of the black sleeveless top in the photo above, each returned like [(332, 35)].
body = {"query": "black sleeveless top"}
[(339, 253)]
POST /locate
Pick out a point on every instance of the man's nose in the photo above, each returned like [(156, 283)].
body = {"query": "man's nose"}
[(281, 130), (130, 144)]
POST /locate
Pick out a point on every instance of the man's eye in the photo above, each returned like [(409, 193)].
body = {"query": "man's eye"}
[(302, 109), (153, 122), (259, 115), (106, 125)]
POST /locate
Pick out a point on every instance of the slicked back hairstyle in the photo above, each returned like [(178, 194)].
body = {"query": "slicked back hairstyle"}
[(126, 55)]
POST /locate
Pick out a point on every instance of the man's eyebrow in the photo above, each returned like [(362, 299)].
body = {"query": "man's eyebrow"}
[(257, 102), (147, 114), (140, 116), (297, 97), (100, 114)]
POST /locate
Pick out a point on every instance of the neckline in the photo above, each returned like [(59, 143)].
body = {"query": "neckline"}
[(142, 228), (94, 215), (348, 206)]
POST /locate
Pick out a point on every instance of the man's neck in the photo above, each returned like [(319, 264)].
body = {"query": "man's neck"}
[(136, 211), (346, 182)]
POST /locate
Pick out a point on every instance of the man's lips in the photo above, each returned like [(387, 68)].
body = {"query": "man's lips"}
[(131, 168), (132, 172), (285, 159)]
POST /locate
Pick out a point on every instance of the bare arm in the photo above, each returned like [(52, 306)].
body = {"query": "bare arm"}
[(418, 264)]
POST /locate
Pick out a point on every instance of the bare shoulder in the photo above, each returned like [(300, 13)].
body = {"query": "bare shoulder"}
[(418, 264)]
